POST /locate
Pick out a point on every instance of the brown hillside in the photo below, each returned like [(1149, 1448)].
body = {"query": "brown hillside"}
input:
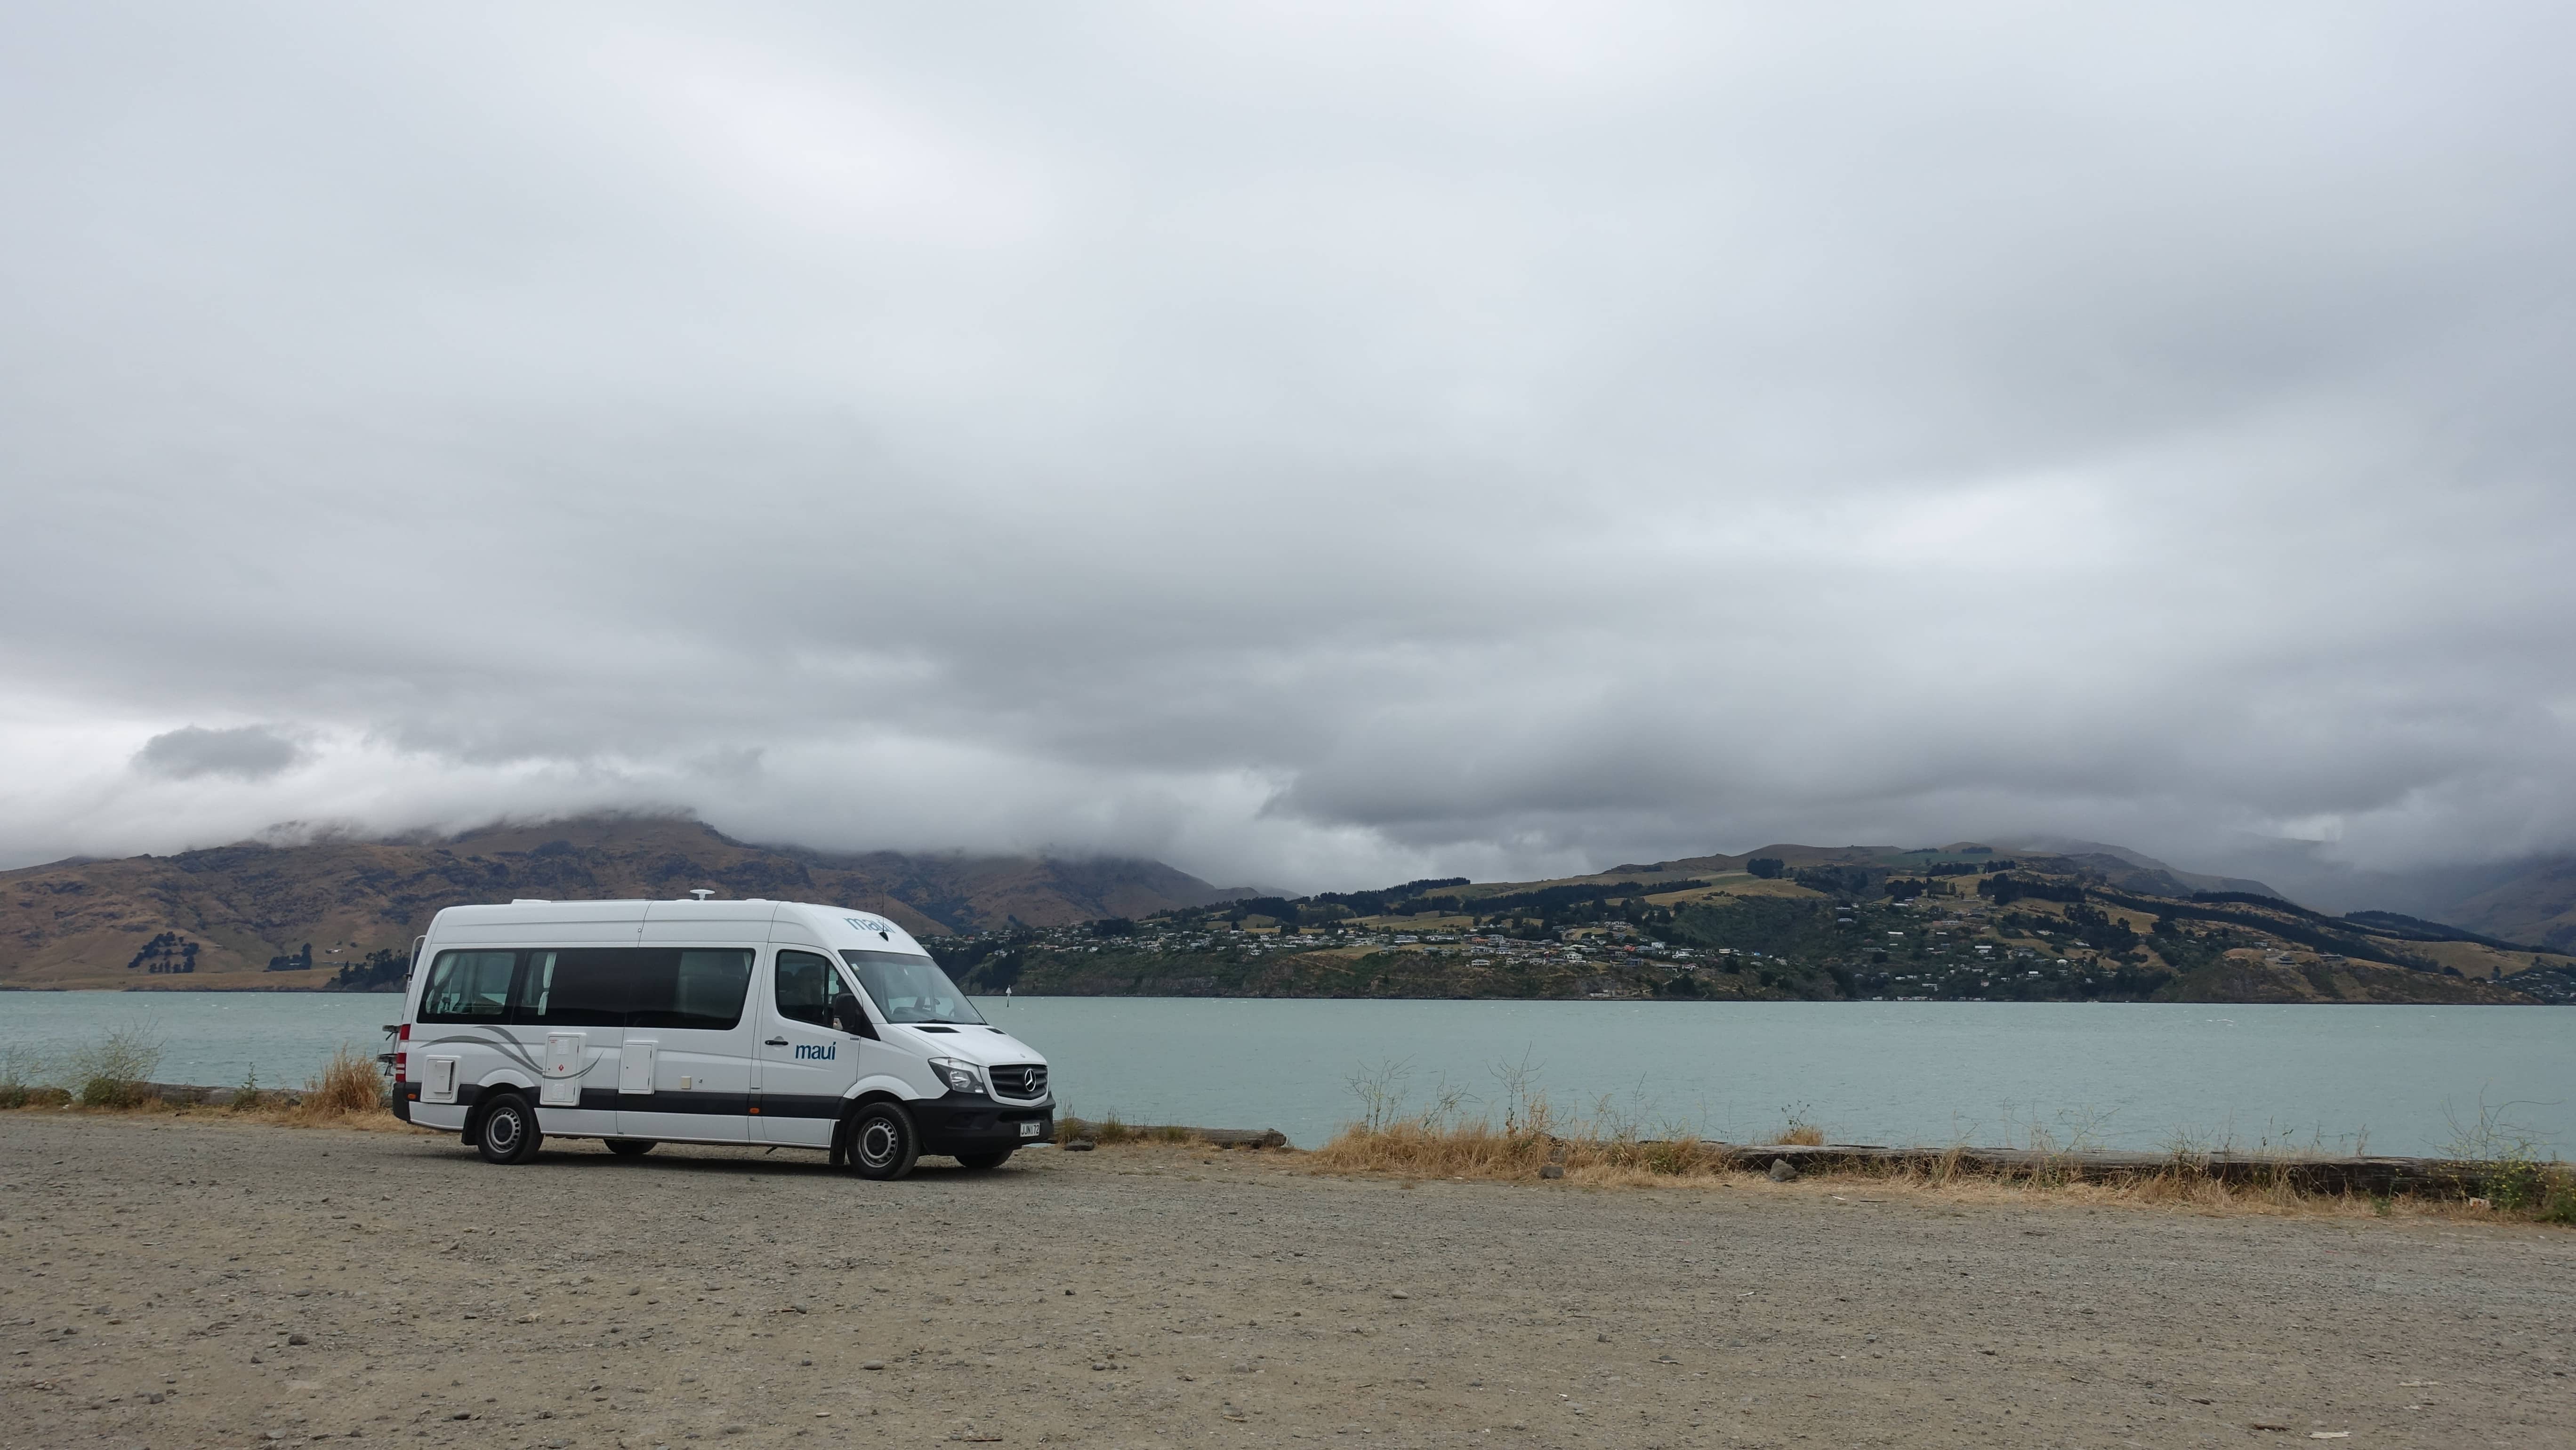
[(2537, 906), (80, 924)]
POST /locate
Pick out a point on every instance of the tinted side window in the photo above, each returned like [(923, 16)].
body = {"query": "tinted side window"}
[(691, 987), (805, 988), (469, 987), (581, 987)]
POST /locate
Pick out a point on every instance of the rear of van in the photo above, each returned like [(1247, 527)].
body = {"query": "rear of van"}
[(729, 1022)]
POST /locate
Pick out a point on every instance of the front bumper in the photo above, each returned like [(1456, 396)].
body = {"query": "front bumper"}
[(960, 1123)]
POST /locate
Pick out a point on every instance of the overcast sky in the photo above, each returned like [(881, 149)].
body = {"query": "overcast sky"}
[(1315, 447)]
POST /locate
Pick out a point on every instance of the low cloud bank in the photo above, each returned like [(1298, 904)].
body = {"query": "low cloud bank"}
[(1312, 449)]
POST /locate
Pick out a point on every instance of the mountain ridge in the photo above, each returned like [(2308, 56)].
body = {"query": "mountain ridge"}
[(241, 916)]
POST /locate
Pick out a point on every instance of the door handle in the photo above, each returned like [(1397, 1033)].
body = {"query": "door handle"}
[(775, 1042)]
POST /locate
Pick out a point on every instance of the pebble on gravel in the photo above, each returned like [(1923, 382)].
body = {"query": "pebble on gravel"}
[(1781, 1171)]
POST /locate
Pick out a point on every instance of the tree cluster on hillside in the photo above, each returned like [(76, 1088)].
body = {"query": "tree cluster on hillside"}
[(165, 955), (382, 970)]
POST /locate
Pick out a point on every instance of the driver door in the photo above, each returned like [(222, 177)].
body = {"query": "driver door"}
[(810, 1031)]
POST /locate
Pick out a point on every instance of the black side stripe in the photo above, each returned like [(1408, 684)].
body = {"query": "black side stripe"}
[(717, 1105)]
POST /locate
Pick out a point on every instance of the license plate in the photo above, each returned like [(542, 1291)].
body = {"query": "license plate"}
[(1028, 1130)]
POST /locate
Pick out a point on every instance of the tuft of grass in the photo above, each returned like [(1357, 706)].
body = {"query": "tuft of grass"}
[(24, 1074), (248, 1095), (2558, 1200), (1798, 1129), (348, 1087), (115, 1069), (2505, 1159)]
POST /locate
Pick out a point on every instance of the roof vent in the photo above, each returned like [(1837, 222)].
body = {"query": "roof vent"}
[(530, 901), (702, 893)]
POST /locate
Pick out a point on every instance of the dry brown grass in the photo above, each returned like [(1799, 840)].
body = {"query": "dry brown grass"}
[(110, 1078), (348, 1087)]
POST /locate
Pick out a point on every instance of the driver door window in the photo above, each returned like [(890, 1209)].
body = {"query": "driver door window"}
[(809, 991)]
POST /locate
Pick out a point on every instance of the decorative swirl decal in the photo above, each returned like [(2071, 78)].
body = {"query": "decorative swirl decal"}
[(511, 1048)]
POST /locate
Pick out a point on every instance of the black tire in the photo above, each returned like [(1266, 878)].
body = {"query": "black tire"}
[(883, 1142), (507, 1131), (631, 1147), (992, 1158)]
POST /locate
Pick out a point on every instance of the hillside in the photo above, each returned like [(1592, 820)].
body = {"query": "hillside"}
[(2536, 904), (2532, 899), (219, 918), (1958, 923)]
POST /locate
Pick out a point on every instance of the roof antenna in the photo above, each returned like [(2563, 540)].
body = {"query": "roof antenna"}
[(701, 893)]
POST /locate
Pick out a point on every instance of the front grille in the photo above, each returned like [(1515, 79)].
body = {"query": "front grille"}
[(1025, 1081)]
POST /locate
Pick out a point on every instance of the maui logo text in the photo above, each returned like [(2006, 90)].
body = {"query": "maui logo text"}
[(808, 1052)]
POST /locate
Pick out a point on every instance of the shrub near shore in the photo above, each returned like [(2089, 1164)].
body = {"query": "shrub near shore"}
[(113, 1074), (2489, 1169), (1534, 1141)]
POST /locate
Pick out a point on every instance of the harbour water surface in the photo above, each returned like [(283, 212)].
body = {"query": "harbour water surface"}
[(2396, 1079)]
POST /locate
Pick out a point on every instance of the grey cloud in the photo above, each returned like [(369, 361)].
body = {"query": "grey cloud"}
[(1306, 445), (246, 752)]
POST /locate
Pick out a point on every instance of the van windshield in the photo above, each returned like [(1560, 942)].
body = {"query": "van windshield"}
[(907, 988)]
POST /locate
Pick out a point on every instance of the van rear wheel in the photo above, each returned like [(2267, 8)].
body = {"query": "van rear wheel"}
[(981, 1161), (507, 1132), (883, 1144), (631, 1147)]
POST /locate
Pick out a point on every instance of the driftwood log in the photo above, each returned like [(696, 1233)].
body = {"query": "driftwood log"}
[(1242, 1137), (1173, 1133), (2377, 1176)]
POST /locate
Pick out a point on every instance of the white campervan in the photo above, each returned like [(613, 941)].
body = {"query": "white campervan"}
[(767, 1022)]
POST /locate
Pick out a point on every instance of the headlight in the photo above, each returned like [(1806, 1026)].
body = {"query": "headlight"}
[(960, 1076)]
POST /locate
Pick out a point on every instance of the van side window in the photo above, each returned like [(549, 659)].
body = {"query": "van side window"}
[(592, 987), (805, 986), (691, 988), (469, 987)]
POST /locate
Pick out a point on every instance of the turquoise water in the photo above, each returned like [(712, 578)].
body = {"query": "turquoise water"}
[(2132, 1075)]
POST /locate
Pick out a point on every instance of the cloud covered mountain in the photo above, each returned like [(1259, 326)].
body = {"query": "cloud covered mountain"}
[(229, 913)]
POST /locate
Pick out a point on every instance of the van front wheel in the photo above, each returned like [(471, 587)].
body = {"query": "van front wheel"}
[(883, 1144), (508, 1132)]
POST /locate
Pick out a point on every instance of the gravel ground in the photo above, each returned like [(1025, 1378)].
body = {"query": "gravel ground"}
[(177, 1283)]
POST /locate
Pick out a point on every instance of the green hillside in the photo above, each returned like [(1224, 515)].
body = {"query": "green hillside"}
[(1961, 922)]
